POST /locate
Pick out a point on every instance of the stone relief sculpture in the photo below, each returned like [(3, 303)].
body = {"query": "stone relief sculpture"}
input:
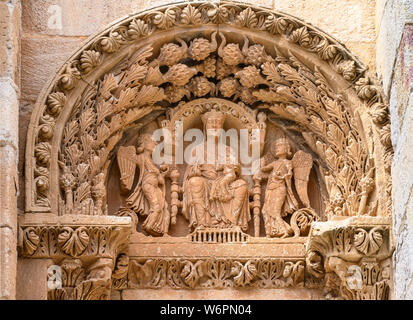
[(213, 193), (148, 197), (279, 197), (262, 70)]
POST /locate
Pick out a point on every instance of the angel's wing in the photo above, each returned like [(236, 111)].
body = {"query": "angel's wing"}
[(302, 163), (127, 166)]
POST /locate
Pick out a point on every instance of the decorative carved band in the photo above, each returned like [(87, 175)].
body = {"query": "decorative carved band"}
[(211, 273), (98, 238)]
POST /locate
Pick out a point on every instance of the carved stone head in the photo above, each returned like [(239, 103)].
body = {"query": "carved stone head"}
[(281, 148), (145, 142), (213, 122)]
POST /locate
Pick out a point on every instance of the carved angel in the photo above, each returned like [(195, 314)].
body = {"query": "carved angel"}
[(279, 196), (148, 197)]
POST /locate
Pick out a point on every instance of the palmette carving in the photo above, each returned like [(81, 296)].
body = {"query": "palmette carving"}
[(71, 241)]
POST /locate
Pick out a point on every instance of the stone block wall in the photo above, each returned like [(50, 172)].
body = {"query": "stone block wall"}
[(9, 110), (394, 54)]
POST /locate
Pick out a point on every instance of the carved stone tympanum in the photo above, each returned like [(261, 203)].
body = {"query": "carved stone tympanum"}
[(223, 135)]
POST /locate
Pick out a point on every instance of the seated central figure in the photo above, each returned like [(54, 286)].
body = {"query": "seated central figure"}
[(214, 193)]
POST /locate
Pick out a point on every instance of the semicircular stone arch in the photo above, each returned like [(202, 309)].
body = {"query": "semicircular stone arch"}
[(147, 65)]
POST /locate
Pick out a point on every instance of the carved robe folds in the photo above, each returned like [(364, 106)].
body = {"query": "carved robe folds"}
[(148, 198), (204, 207)]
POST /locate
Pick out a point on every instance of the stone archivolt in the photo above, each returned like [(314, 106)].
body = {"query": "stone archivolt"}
[(293, 83)]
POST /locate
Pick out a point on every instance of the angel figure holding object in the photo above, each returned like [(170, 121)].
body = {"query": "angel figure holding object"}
[(279, 197), (148, 197)]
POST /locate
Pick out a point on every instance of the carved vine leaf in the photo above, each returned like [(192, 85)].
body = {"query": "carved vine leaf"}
[(138, 29), (149, 95), (55, 103), (89, 60), (43, 151), (219, 14), (108, 84), (244, 273), (192, 272), (301, 36), (135, 75), (218, 272), (165, 20), (276, 25)]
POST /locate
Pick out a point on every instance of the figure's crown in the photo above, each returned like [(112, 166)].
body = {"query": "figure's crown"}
[(213, 115), (281, 141)]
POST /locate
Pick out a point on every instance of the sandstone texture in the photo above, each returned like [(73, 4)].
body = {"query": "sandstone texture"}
[(9, 106), (395, 69), (38, 36)]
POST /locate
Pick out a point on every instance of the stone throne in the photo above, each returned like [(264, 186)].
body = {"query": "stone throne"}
[(314, 218)]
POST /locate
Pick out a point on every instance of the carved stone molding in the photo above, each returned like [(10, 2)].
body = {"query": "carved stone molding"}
[(212, 273), (49, 236), (353, 256)]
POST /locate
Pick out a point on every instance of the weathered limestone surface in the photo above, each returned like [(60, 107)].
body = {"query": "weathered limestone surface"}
[(395, 68), (41, 58), (224, 294), (392, 17), (9, 108), (75, 18), (32, 279)]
